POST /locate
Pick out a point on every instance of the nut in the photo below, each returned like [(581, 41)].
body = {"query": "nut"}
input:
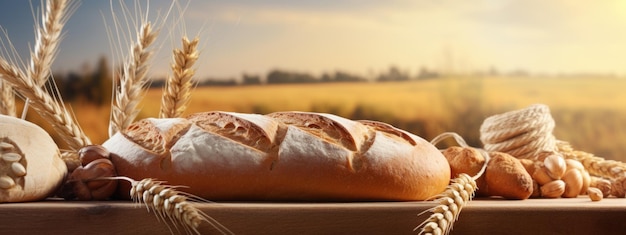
[(90, 153), (586, 181), (573, 183), (571, 163), (553, 189), (556, 166), (541, 175), (86, 183), (594, 194)]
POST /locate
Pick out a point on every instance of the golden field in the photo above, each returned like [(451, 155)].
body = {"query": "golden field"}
[(589, 112)]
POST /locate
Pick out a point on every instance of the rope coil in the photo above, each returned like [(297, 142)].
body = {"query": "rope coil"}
[(521, 133)]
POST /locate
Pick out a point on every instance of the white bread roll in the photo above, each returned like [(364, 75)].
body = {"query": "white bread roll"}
[(280, 156), (31, 167)]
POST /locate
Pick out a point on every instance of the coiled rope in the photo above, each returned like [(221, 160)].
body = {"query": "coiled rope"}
[(521, 133)]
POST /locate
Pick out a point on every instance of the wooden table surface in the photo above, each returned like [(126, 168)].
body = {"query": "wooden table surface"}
[(481, 216)]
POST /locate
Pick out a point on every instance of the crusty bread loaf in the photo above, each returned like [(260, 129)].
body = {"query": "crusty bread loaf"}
[(281, 156), (31, 167)]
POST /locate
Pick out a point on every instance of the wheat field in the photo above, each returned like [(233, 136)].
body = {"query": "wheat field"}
[(589, 112)]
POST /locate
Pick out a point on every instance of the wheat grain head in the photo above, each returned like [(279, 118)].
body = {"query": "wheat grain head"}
[(171, 206), (450, 202), (178, 87), (47, 106), (47, 40), (28, 83), (132, 81)]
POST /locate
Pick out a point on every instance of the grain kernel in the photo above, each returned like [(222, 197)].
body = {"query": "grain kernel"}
[(18, 169), (6, 182), (4, 146), (11, 157)]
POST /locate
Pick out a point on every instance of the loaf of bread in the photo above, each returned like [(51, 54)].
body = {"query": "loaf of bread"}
[(31, 167), (280, 156)]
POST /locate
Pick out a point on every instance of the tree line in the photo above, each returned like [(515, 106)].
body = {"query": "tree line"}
[(95, 85), (279, 76)]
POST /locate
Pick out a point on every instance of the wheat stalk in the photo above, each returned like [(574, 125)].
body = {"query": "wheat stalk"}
[(133, 81), (48, 38), (48, 107), (178, 86), (460, 191), (46, 45), (451, 201), (170, 205), (7, 99), (29, 84)]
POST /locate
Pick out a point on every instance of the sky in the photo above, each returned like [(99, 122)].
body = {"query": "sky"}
[(363, 37)]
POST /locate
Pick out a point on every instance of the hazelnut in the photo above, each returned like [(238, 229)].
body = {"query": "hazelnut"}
[(556, 166), (573, 182), (553, 189)]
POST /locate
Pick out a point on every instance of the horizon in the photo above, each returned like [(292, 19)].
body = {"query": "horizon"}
[(358, 37)]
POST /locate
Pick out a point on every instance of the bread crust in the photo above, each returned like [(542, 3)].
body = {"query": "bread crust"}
[(281, 156)]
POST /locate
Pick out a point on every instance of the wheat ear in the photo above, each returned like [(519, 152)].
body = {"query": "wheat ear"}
[(28, 84), (46, 45), (179, 84), (460, 191), (170, 205), (133, 81), (7, 99), (451, 201), (48, 38), (49, 108)]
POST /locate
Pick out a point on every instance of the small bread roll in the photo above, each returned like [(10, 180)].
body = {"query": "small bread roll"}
[(31, 167), (505, 176)]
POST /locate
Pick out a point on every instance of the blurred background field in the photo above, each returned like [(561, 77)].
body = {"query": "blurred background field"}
[(589, 111), (424, 66)]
